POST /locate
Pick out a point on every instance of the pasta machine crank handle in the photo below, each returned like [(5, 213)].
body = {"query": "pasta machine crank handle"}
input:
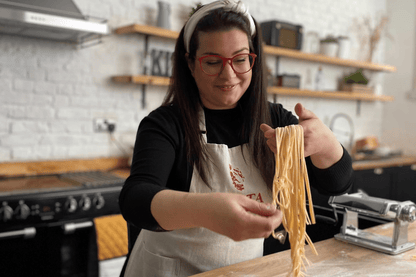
[(280, 234)]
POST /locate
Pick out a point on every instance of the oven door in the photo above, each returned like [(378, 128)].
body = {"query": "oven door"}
[(65, 249)]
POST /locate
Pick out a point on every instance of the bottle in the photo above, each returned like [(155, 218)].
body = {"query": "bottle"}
[(319, 82), (163, 18)]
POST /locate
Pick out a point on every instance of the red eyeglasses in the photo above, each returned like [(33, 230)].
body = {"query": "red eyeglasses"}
[(213, 65)]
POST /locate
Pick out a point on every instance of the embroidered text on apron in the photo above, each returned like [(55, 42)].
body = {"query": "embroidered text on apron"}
[(186, 252)]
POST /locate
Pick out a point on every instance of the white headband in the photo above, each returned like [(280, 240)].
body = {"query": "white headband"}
[(227, 5)]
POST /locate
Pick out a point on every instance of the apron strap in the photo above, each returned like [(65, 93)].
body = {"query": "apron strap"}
[(202, 125)]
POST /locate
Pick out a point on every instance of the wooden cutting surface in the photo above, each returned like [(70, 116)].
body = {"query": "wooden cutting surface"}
[(335, 258)]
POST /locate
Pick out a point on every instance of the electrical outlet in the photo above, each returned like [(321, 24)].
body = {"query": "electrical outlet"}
[(411, 94), (104, 125)]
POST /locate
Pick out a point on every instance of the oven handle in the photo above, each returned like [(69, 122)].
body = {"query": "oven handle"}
[(26, 233), (70, 228)]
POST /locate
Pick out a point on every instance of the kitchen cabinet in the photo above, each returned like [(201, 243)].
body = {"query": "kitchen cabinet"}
[(405, 188), (375, 182), (395, 182), (270, 51)]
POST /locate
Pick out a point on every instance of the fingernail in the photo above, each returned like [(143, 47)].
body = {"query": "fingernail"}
[(269, 206)]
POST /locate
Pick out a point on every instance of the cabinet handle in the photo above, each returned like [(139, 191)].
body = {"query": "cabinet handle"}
[(378, 171), (413, 167), (26, 233), (70, 228)]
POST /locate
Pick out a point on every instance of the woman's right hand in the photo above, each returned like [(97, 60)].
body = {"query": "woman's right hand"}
[(240, 218), (229, 214)]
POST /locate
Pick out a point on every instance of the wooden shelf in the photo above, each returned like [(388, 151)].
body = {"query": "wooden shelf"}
[(164, 81), (269, 50), (299, 55), (142, 80), (147, 30), (343, 95)]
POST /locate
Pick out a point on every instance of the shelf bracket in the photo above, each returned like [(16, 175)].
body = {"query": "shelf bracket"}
[(145, 69), (276, 68), (143, 96), (277, 62), (358, 110)]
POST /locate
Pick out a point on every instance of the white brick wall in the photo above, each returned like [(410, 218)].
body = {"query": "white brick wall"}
[(398, 129), (51, 92)]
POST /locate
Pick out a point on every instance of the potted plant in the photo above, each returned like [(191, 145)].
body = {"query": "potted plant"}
[(329, 46), (356, 82)]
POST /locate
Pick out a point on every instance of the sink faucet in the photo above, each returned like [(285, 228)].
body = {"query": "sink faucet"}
[(351, 125)]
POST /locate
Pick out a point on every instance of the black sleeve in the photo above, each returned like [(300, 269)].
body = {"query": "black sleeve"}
[(155, 149), (334, 180), (281, 117)]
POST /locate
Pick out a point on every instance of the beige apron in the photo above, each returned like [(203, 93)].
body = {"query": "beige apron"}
[(190, 251)]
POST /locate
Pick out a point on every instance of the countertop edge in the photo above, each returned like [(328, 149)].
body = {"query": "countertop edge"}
[(383, 163)]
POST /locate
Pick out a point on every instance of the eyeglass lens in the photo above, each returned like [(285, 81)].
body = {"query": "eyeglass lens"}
[(213, 65)]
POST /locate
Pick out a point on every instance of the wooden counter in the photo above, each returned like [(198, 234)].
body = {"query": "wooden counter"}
[(33, 168), (335, 258), (388, 162)]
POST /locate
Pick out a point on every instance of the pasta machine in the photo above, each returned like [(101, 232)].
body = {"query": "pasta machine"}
[(401, 213)]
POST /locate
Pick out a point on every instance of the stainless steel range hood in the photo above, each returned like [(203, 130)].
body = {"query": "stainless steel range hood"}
[(50, 19)]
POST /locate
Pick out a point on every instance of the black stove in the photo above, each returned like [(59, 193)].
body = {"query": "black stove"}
[(56, 199), (47, 222)]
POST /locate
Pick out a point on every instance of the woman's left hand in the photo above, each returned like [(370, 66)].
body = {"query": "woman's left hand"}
[(319, 141)]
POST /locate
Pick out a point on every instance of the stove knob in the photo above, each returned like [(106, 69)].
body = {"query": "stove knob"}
[(6, 213), (85, 203), (99, 201), (22, 211), (71, 204)]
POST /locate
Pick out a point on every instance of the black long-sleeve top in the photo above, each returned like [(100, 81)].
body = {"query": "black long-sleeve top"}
[(160, 162)]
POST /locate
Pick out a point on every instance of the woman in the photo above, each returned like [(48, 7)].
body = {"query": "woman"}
[(202, 169)]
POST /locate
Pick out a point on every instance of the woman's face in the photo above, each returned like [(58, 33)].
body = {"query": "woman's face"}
[(224, 90)]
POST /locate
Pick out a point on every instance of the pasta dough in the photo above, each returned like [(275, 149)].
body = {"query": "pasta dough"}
[(290, 186)]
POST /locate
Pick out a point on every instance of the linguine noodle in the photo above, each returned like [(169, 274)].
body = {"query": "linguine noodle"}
[(290, 186)]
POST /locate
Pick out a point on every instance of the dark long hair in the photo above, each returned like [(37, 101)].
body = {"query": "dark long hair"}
[(183, 93)]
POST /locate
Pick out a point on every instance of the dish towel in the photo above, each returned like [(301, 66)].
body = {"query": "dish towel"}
[(111, 237)]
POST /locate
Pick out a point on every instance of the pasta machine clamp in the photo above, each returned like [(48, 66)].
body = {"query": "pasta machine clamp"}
[(359, 203)]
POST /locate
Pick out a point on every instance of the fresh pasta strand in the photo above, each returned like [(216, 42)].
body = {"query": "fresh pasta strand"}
[(290, 189)]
